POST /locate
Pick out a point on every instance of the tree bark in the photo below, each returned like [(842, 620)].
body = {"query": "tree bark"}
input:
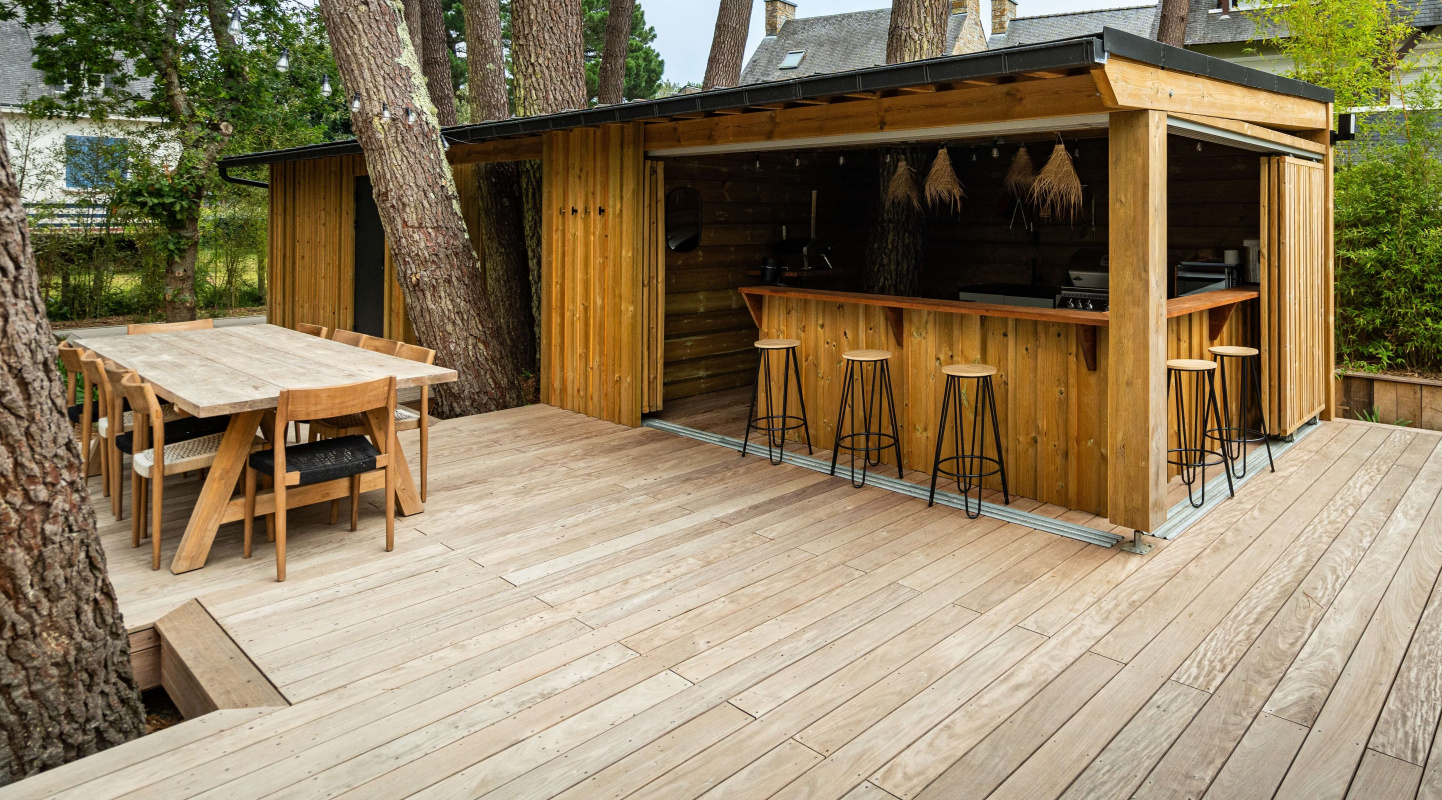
[(1172, 22), (498, 188), (436, 61), (415, 26), (438, 271), (917, 30), (547, 63), (612, 76), (180, 274), (728, 44), (66, 684), (895, 253)]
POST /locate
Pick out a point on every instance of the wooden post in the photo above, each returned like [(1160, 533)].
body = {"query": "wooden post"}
[(1329, 411), (1136, 383)]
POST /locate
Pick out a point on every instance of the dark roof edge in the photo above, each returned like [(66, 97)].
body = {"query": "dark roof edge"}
[(1085, 51)]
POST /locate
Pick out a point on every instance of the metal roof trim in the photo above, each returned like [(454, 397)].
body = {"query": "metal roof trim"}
[(1080, 52)]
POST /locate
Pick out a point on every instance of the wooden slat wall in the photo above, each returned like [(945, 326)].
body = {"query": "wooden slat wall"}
[(593, 321), (312, 225), (1295, 286)]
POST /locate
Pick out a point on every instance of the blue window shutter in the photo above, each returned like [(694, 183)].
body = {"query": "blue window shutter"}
[(89, 158)]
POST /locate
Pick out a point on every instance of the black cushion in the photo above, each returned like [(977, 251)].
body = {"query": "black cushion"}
[(321, 461), (76, 411), (179, 430)]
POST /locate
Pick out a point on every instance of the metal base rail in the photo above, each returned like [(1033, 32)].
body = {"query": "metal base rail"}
[(951, 499), (1182, 515)]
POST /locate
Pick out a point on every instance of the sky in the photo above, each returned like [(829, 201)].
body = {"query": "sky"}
[(684, 27)]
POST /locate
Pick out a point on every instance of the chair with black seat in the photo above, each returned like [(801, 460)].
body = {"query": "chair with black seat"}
[(159, 448), (328, 459), (83, 414)]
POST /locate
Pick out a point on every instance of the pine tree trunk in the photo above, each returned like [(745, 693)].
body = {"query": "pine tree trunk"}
[(917, 31), (728, 44), (180, 274), (66, 685), (436, 61), (439, 274), (1172, 22), (498, 188), (550, 76), (895, 255), (612, 76), (415, 25)]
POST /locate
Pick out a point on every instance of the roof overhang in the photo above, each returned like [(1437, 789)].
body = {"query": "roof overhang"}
[(1067, 58)]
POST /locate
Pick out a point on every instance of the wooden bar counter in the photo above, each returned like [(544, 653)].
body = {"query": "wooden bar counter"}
[(1051, 385)]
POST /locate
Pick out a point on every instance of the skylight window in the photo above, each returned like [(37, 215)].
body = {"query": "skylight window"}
[(793, 59)]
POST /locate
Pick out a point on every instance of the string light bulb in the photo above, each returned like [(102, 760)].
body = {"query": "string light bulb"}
[(995, 151), (841, 160), (355, 103), (234, 28), (973, 156), (282, 64), (1199, 147), (325, 90), (758, 161), (385, 111), (798, 160)]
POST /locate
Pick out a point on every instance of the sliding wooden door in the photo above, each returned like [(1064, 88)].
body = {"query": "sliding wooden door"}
[(1295, 285)]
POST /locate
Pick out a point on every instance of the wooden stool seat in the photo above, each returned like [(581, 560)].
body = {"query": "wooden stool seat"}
[(777, 344), (1191, 364), (866, 355), (1233, 350), (968, 370)]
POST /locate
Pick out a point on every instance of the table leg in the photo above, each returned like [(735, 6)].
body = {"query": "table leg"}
[(216, 492), (408, 500)]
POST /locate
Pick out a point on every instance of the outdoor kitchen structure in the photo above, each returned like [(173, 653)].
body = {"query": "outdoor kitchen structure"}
[(679, 231)]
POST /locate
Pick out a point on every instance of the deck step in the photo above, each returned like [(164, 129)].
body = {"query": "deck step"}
[(203, 669)]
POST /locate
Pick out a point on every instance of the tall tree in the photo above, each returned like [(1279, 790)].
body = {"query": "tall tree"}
[(895, 251), (438, 272), (436, 60), (611, 82), (641, 65), (415, 26), (179, 61), (550, 76), (728, 44), (1172, 22), (502, 228), (68, 688)]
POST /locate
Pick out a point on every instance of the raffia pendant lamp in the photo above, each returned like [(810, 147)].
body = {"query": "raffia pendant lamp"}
[(1057, 190), (902, 188), (943, 189), (1022, 174)]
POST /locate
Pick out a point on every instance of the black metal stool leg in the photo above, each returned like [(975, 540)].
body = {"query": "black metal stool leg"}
[(801, 398), (751, 413), (996, 436), (1261, 410), (940, 439), (895, 429), (1226, 459), (841, 417)]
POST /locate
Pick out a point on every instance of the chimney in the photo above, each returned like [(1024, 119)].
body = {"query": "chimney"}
[(777, 12), (963, 6), (1002, 13)]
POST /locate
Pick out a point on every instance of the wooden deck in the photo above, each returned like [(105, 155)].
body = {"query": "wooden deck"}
[(590, 611)]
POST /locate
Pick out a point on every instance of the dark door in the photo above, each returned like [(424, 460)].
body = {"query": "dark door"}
[(370, 263)]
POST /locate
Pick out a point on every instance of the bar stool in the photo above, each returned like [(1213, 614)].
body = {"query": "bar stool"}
[(1193, 431), (873, 442), (776, 425), (1236, 437), (972, 464)]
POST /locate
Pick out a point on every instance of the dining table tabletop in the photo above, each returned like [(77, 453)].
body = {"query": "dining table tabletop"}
[(241, 371)]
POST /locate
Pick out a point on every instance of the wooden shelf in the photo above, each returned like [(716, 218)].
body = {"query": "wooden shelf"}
[(1219, 304)]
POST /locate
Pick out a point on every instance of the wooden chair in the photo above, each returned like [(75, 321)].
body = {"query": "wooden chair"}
[(93, 368), (313, 330), (348, 337), (328, 459), (406, 419), (155, 455), (84, 414), (375, 344), (165, 327)]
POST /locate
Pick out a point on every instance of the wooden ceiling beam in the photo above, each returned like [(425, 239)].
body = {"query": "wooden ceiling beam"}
[(1131, 85)]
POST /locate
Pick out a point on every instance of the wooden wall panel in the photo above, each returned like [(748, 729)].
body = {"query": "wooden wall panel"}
[(593, 320), (653, 283), (1296, 288)]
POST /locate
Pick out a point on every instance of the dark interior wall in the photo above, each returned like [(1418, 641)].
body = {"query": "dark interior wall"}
[(1213, 203), (709, 332)]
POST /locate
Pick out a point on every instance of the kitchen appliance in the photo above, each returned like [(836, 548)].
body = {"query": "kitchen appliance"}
[(1196, 278), (772, 270), (1252, 264), (1085, 279), (1084, 299)]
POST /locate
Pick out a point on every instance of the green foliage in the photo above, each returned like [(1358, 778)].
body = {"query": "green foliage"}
[(1388, 184)]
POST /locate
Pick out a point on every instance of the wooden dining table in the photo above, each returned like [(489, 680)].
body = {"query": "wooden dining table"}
[(241, 371)]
